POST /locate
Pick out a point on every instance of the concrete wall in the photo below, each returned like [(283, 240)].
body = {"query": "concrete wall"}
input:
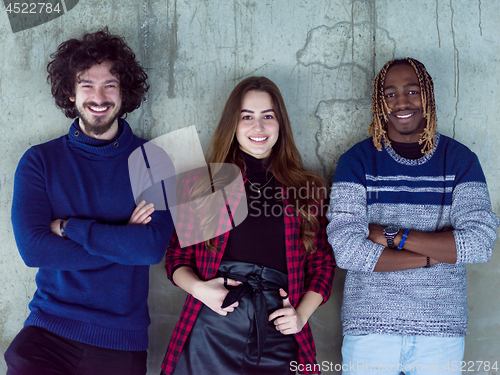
[(322, 54)]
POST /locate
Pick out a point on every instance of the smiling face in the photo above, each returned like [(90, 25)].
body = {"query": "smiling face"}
[(402, 95), (98, 101), (258, 128)]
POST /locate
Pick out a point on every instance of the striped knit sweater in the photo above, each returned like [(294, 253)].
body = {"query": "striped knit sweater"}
[(445, 188)]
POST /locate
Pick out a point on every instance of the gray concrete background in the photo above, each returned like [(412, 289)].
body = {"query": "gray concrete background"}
[(322, 54)]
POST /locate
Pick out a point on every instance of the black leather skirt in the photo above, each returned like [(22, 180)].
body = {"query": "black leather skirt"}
[(244, 341)]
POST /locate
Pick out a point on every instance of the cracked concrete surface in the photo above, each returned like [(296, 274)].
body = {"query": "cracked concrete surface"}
[(456, 57), (338, 129), (345, 47), (322, 54)]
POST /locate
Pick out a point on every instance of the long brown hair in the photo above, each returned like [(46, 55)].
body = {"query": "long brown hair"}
[(381, 111), (286, 162)]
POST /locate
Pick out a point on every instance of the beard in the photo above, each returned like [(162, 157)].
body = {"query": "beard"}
[(97, 125)]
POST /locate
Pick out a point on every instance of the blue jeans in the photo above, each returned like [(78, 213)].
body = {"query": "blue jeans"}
[(395, 355)]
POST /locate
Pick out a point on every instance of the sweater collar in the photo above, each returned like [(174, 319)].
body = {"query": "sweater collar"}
[(98, 148), (411, 162), (255, 166)]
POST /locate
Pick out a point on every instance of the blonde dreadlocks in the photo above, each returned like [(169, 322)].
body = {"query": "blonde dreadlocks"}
[(381, 110)]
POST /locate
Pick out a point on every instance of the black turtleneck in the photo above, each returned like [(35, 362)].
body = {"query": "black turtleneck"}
[(408, 150), (260, 238)]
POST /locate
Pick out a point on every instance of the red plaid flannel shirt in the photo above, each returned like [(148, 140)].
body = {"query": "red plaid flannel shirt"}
[(313, 272)]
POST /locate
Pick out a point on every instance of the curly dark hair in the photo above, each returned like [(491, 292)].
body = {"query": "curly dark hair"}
[(74, 56)]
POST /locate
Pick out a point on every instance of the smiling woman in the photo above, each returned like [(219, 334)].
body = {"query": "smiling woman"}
[(253, 289), (258, 130)]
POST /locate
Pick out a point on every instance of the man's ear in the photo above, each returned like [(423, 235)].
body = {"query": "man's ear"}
[(72, 99)]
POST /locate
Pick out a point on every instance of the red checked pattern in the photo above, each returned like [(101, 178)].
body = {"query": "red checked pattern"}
[(312, 272)]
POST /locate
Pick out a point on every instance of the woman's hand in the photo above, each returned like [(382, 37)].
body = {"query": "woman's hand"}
[(213, 292), (142, 213), (287, 320)]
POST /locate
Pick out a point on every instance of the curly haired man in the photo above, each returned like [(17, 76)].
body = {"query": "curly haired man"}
[(75, 218)]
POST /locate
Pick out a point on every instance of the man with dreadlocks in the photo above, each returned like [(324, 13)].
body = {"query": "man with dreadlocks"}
[(409, 208)]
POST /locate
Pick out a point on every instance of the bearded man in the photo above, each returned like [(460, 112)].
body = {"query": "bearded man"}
[(75, 218)]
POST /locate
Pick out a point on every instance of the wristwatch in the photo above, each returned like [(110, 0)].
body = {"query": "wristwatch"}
[(61, 228), (390, 233)]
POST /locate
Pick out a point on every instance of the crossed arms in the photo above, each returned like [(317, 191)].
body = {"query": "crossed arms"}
[(90, 243), (462, 232), (439, 247)]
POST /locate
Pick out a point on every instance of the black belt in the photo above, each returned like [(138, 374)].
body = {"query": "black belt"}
[(254, 285)]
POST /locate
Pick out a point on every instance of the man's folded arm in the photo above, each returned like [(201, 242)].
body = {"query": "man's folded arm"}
[(90, 244), (348, 228), (31, 218), (124, 244)]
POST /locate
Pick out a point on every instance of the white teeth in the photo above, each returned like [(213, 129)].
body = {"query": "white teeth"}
[(405, 116), (258, 139), (98, 109)]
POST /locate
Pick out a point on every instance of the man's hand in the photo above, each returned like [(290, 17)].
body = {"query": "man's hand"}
[(377, 235), (288, 321), (142, 213), (439, 247)]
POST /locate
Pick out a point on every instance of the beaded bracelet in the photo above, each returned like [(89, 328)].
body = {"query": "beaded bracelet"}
[(405, 235)]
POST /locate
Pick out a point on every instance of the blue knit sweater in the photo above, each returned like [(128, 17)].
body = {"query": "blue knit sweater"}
[(92, 287), (445, 188)]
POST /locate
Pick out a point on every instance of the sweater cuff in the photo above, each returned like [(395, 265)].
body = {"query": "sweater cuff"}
[(76, 228), (174, 268)]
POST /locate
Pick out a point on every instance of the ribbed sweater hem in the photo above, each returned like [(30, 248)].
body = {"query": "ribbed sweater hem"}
[(91, 334), (402, 327)]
